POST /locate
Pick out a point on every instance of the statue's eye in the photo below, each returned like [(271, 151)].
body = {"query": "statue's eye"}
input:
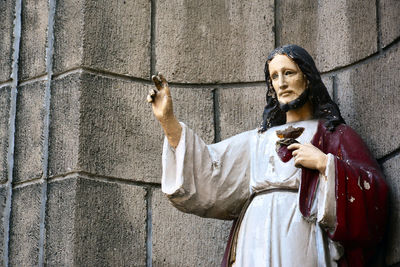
[(289, 72)]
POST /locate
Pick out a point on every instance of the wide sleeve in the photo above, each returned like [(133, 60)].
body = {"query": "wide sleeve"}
[(361, 193), (207, 180)]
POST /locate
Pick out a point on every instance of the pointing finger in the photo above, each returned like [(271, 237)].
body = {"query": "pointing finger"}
[(156, 82), (164, 84)]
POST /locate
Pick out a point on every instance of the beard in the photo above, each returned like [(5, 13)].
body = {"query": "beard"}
[(295, 104)]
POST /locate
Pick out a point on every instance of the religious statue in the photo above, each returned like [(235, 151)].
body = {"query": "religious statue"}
[(303, 189)]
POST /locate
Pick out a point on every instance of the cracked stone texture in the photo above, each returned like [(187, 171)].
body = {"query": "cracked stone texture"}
[(5, 103), (389, 20), (108, 35), (29, 124), (24, 230), (240, 109), (213, 41), (181, 239), (392, 169), (368, 99), (95, 223), (34, 19), (105, 126), (7, 9), (335, 32)]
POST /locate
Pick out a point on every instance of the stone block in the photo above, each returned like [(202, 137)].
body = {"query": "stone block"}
[(29, 123), (5, 104), (95, 223), (389, 21), (108, 35), (180, 239), (335, 33), (369, 102), (240, 109), (213, 41), (64, 126), (34, 20), (3, 198), (68, 32), (24, 225), (392, 169), (7, 10), (115, 129)]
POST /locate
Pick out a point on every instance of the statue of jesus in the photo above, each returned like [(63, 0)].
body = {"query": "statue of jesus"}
[(303, 189)]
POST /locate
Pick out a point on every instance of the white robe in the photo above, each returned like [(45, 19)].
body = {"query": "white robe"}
[(215, 181)]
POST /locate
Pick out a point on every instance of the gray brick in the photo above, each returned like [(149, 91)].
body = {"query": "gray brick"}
[(32, 58), (95, 223), (107, 35), (181, 239), (68, 32), (64, 126), (3, 198), (5, 94), (392, 169), (114, 127), (389, 20), (7, 9), (117, 36), (368, 99), (24, 232), (28, 159), (213, 41), (121, 137), (335, 33), (241, 109)]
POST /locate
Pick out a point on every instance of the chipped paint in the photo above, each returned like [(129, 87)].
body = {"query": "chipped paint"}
[(366, 185)]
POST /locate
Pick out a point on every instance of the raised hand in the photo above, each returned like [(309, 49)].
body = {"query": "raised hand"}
[(160, 99), (309, 156), (161, 102)]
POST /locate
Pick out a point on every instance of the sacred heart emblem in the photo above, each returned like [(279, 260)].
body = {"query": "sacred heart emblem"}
[(286, 138)]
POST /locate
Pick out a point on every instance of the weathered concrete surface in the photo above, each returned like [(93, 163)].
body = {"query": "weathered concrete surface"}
[(32, 58), (95, 223), (68, 32), (369, 101), (24, 226), (3, 198), (389, 21), (64, 126), (7, 9), (60, 222), (213, 41), (29, 123), (5, 94), (107, 35), (240, 109), (114, 127), (181, 239), (392, 169), (334, 32)]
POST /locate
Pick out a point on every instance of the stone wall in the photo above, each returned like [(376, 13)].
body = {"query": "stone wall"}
[(80, 150)]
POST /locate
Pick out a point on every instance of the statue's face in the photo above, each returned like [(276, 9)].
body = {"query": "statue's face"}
[(288, 80)]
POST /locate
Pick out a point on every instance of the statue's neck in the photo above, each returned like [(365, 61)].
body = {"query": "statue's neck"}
[(303, 113)]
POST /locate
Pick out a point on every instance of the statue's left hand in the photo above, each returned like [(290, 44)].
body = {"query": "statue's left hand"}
[(309, 156)]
